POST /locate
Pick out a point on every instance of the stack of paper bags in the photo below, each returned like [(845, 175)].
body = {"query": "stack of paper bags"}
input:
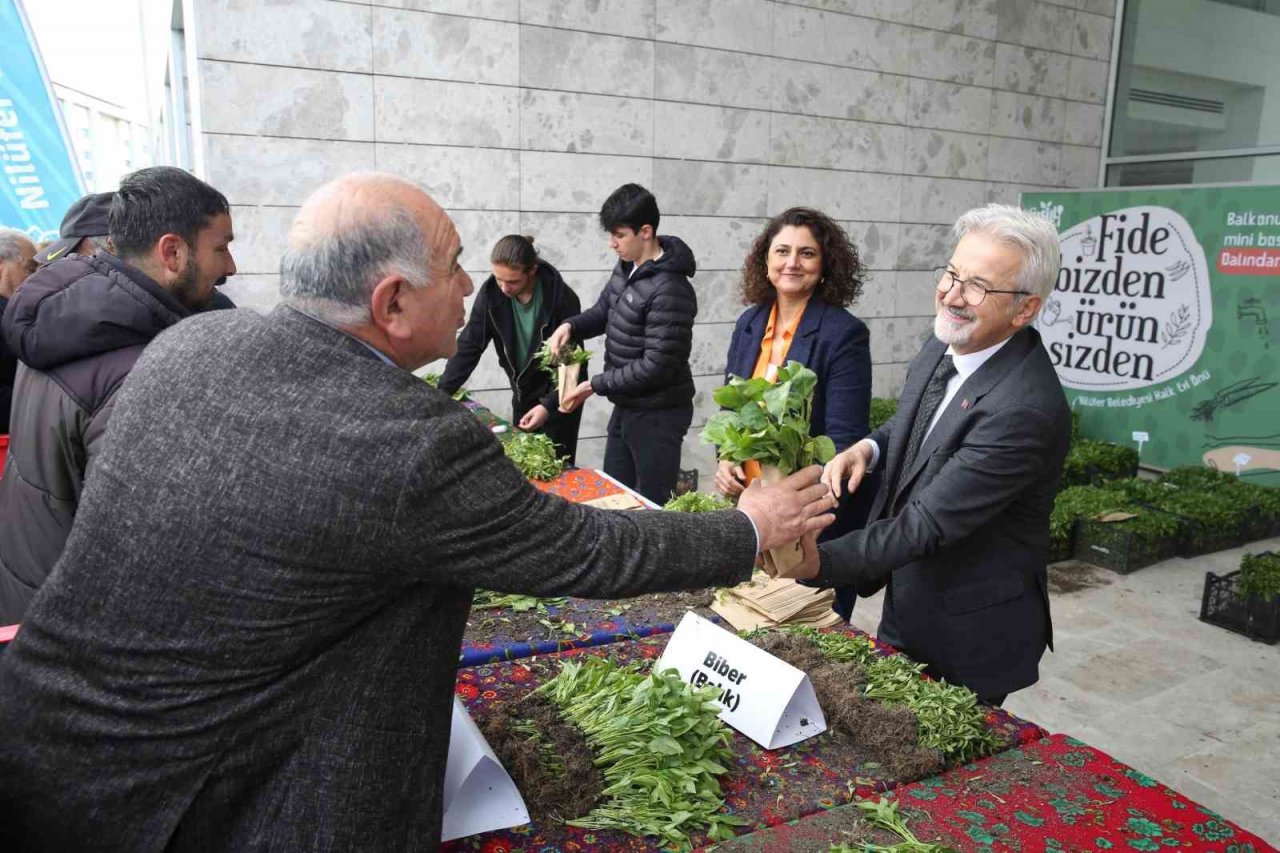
[(765, 602)]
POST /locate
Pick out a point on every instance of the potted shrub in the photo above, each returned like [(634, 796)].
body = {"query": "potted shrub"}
[(770, 423)]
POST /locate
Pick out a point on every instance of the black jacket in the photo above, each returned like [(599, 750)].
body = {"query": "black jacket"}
[(964, 543), (492, 319), (647, 318), (77, 325), (8, 370)]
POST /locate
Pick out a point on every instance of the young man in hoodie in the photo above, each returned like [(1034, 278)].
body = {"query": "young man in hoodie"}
[(77, 326), (516, 308), (646, 313)]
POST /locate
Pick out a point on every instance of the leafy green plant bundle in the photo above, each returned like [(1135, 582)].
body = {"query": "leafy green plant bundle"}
[(769, 423), (1080, 502), (550, 359), (1198, 477), (485, 599), (534, 454), (433, 379), (1260, 575), (882, 408), (948, 714), (697, 502), (1092, 463), (884, 814), (659, 743)]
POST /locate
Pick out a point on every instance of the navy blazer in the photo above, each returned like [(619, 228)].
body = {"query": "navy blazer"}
[(833, 344)]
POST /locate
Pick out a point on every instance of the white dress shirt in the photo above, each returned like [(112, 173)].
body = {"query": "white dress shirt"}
[(966, 365)]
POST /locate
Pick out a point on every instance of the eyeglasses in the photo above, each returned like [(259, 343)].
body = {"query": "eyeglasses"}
[(971, 291)]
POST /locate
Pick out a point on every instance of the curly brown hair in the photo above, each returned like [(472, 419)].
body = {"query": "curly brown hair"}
[(842, 270)]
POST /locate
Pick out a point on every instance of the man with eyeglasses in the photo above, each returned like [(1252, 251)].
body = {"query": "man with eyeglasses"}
[(972, 460)]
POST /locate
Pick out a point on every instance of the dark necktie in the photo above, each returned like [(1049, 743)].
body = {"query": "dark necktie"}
[(933, 394)]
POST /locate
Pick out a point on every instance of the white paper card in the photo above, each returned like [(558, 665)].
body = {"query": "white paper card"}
[(479, 796), (766, 699)]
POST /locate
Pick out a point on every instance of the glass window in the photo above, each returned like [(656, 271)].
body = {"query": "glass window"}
[(1197, 76), (1215, 170)]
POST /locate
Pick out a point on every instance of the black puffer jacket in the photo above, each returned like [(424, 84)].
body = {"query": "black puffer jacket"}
[(77, 326), (647, 318)]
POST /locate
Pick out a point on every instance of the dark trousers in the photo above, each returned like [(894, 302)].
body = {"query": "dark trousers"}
[(642, 450), (562, 429)]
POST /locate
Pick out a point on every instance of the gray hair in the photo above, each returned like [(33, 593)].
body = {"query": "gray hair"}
[(1029, 232), (333, 276), (12, 244)]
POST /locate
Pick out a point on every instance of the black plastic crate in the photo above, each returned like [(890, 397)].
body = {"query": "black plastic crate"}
[(1112, 546), (1224, 606), (1062, 550)]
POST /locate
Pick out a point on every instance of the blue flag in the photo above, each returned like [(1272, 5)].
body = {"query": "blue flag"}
[(40, 178)]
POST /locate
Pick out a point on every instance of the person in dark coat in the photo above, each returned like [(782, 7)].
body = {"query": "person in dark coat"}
[(517, 308), (646, 313), (251, 641), (959, 531), (78, 325), (16, 263), (800, 276), (84, 229)]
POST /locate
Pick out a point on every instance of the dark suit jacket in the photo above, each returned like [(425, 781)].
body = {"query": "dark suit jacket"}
[(251, 640), (963, 548), (837, 346), (833, 344)]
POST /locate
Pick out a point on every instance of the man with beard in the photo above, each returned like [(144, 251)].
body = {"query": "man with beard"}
[(959, 531), (77, 327)]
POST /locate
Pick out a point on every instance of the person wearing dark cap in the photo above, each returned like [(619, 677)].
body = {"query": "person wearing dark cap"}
[(77, 326), (84, 229)]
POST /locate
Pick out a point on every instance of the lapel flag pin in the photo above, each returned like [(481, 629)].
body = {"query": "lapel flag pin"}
[(964, 404)]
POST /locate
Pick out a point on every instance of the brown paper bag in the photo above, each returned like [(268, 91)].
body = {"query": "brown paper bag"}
[(780, 562), (569, 379)]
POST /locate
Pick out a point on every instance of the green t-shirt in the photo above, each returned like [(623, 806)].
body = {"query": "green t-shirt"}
[(526, 317)]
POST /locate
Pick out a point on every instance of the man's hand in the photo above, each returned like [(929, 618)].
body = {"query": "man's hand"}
[(790, 509), (534, 418), (848, 467), (577, 396), (560, 336), (729, 479)]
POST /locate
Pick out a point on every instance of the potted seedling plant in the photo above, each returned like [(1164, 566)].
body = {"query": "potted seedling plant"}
[(564, 364), (770, 424)]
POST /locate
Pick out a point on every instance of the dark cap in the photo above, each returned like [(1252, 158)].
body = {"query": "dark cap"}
[(86, 218)]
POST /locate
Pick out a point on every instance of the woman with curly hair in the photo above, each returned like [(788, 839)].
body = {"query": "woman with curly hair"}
[(798, 278)]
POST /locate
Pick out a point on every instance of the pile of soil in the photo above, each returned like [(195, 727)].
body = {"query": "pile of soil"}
[(554, 796), (509, 626), (889, 734)]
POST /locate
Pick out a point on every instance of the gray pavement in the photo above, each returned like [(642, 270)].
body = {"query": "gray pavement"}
[(1139, 676)]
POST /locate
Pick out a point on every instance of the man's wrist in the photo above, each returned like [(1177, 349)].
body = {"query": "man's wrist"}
[(754, 528)]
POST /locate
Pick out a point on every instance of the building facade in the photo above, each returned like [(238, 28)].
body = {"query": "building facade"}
[(520, 116)]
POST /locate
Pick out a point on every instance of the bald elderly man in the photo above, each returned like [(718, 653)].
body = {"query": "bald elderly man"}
[(250, 642)]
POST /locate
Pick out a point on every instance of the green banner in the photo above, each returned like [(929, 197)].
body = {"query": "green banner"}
[(1164, 324)]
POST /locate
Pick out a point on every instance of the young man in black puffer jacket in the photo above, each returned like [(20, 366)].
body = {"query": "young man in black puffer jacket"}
[(646, 313)]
